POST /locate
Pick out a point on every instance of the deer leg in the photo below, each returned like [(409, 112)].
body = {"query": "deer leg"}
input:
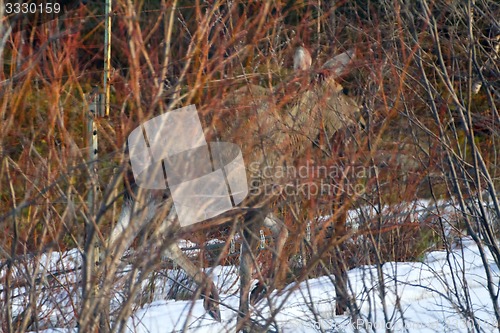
[(274, 278), (280, 235), (123, 234), (339, 271), (340, 275), (247, 264), (210, 293), (246, 268)]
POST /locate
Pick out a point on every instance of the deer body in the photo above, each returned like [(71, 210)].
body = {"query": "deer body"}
[(270, 133)]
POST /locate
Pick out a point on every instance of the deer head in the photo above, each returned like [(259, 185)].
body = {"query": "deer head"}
[(275, 126)]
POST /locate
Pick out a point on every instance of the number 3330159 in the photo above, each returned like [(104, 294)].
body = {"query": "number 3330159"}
[(32, 8)]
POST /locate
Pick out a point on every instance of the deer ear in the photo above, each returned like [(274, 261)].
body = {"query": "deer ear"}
[(337, 65)]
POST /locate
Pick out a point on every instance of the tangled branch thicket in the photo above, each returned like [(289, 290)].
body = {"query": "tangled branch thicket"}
[(418, 173)]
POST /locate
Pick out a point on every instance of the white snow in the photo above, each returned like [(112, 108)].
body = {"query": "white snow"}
[(427, 296), (424, 290)]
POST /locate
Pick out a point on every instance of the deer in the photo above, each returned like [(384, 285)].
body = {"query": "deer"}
[(271, 131)]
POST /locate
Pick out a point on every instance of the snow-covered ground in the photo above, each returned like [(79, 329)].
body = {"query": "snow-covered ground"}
[(427, 296), (423, 296)]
